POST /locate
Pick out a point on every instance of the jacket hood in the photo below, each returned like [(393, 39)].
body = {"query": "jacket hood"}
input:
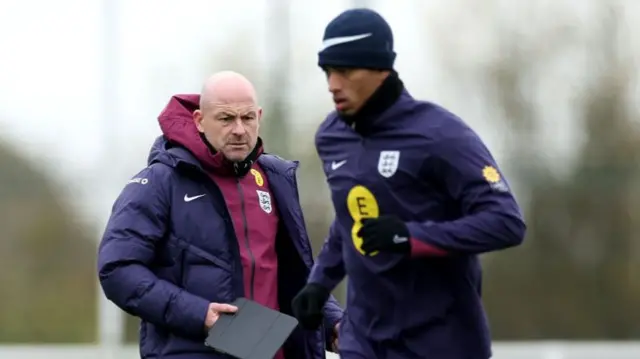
[(176, 123), (158, 150)]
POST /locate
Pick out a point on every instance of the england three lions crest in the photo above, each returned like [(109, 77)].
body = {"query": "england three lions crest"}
[(265, 201), (388, 163)]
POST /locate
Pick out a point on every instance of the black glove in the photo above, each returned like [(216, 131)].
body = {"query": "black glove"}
[(308, 304), (385, 233)]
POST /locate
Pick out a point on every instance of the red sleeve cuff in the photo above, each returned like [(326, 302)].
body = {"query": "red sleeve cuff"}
[(421, 249)]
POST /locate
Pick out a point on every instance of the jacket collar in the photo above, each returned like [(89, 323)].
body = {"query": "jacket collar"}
[(180, 158), (365, 120)]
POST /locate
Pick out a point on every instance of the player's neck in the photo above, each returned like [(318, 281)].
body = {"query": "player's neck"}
[(383, 98)]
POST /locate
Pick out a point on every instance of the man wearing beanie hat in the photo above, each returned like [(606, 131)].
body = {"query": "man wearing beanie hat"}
[(418, 197)]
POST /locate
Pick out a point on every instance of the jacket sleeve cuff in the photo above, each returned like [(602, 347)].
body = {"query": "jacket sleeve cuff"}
[(332, 313), (332, 316), (190, 313), (422, 249)]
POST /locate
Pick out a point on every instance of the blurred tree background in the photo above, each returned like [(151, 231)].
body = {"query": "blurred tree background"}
[(47, 258)]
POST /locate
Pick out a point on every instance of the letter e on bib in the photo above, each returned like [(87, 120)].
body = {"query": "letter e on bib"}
[(388, 163), (361, 204)]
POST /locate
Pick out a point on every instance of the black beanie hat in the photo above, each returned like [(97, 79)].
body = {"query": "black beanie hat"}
[(358, 38)]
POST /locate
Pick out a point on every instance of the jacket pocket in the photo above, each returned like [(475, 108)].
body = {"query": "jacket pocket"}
[(203, 255), (204, 274), (209, 282)]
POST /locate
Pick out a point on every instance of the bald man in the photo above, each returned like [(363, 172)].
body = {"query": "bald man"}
[(210, 219)]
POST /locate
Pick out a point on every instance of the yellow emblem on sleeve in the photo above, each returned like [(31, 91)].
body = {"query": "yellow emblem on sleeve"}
[(495, 180), (491, 174)]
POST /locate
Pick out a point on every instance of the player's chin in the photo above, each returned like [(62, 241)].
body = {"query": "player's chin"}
[(347, 111), (236, 153)]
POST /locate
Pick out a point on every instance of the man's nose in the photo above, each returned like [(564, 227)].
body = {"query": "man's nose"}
[(238, 128), (334, 82)]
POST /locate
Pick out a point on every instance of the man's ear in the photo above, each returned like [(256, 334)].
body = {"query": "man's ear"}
[(197, 119), (259, 113)]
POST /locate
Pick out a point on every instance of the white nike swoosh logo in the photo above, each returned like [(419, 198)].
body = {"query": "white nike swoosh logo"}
[(342, 40), (397, 239), (335, 165), (189, 199)]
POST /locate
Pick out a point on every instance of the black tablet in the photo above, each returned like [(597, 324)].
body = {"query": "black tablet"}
[(253, 332)]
